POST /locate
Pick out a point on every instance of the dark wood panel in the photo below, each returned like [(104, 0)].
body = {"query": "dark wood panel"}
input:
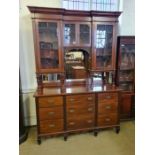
[(51, 113), (125, 106)]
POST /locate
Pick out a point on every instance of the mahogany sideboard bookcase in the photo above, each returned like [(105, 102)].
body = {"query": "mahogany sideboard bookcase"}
[(65, 106)]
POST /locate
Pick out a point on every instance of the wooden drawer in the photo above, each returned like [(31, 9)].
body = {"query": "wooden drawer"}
[(106, 108), (80, 123), (50, 101), (105, 120), (51, 126), (71, 111), (107, 97), (51, 113), (80, 99)]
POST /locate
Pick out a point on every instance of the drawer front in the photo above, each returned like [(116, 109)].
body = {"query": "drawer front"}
[(51, 126), (51, 113), (77, 123), (80, 99), (71, 111), (50, 101), (105, 120), (105, 108), (107, 97)]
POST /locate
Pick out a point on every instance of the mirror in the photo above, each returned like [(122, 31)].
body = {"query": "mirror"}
[(76, 63), (50, 77)]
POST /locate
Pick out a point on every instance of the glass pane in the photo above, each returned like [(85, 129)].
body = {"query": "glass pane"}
[(127, 56), (69, 34), (104, 34), (48, 45), (84, 34)]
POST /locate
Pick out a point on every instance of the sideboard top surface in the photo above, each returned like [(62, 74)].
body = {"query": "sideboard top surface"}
[(69, 90)]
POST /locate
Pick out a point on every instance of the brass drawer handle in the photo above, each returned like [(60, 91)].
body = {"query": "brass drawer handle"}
[(72, 99), (52, 125), (107, 119), (90, 109), (72, 123), (89, 121), (71, 110), (89, 98), (51, 113), (108, 107), (108, 97)]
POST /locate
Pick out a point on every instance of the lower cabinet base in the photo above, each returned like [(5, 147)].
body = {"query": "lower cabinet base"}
[(67, 133)]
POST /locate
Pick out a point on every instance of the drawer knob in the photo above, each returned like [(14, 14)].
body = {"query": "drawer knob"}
[(90, 109), (90, 98), (51, 113), (72, 123), (107, 119), (108, 107), (71, 110), (89, 121), (52, 125)]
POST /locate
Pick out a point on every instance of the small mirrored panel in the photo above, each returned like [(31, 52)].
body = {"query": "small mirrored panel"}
[(76, 63), (104, 35), (46, 78), (48, 45)]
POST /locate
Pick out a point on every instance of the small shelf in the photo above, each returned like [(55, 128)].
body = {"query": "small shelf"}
[(126, 68)]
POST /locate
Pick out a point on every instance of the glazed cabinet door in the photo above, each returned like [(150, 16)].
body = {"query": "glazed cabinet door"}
[(126, 63), (104, 46), (77, 34), (84, 34), (70, 37), (48, 54)]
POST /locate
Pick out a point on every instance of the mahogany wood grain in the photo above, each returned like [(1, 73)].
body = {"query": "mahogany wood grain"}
[(109, 119), (51, 126), (51, 113), (106, 108), (50, 101)]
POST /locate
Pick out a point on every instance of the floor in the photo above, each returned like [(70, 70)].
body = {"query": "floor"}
[(106, 143)]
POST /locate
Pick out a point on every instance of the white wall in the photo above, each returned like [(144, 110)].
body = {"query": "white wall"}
[(26, 49), (127, 19), (26, 56)]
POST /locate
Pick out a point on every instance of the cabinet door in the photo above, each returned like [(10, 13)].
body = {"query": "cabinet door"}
[(77, 34), (84, 34), (127, 53), (126, 106), (70, 38), (48, 51), (126, 63), (104, 50)]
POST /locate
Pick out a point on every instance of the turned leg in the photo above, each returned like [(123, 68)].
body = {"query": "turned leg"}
[(117, 129), (39, 141), (65, 137), (95, 133)]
